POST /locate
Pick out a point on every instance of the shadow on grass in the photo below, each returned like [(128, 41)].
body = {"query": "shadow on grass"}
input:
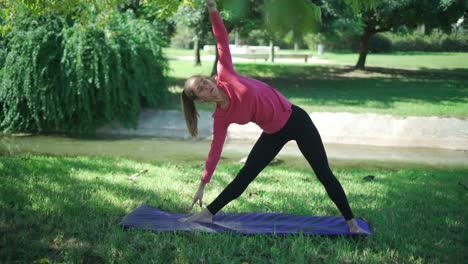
[(414, 213), (49, 213)]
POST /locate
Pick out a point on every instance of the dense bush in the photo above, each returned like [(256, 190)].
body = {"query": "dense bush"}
[(388, 42), (379, 44), (436, 41), (258, 37), (62, 75)]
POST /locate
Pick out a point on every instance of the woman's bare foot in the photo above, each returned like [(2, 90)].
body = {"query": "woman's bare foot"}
[(204, 216), (355, 228)]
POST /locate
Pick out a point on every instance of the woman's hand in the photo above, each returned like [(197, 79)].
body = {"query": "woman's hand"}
[(198, 197), (210, 2), (204, 216), (211, 5)]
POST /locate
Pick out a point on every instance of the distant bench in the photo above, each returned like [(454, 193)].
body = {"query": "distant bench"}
[(294, 56), (254, 56), (265, 56), (258, 52)]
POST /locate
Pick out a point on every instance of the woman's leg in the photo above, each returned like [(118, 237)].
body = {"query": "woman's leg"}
[(308, 139), (263, 152)]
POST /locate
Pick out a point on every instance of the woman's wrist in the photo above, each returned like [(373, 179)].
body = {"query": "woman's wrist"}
[(211, 4)]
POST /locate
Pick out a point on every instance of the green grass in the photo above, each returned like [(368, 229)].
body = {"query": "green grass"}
[(334, 88), (400, 60), (66, 210)]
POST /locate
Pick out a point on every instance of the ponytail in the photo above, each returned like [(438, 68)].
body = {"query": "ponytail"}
[(190, 113)]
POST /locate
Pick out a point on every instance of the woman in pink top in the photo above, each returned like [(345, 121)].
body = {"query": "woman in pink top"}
[(241, 100)]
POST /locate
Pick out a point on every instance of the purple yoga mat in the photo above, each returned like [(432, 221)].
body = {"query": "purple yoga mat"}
[(147, 217)]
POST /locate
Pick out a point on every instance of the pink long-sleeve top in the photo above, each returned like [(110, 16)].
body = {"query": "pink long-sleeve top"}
[(250, 100)]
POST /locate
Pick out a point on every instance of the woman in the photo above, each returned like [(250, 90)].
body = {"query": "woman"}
[(241, 100)]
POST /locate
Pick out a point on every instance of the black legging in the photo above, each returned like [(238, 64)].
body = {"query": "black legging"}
[(300, 128)]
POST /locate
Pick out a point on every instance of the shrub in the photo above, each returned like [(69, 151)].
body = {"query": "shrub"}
[(436, 41), (257, 38), (30, 76), (414, 42), (379, 43), (79, 75), (455, 43)]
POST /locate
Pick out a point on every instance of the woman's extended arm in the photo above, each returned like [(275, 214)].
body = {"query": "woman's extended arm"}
[(222, 39), (219, 137)]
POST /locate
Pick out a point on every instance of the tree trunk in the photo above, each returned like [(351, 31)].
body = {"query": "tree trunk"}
[(214, 70), (272, 52), (364, 49), (196, 49)]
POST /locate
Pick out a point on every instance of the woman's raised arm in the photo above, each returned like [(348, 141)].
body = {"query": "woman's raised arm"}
[(222, 39)]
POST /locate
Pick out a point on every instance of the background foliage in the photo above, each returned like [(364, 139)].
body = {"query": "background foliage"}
[(67, 74), (74, 65), (436, 41)]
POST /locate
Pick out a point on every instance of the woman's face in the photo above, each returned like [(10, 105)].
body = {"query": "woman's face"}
[(205, 91)]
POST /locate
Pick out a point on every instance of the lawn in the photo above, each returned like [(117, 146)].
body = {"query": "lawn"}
[(402, 60), (409, 60), (64, 209), (396, 84)]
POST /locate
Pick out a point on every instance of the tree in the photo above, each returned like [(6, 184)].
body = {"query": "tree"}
[(275, 17), (156, 8), (370, 17), (196, 18), (391, 14), (298, 16), (74, 73), (387, 15)]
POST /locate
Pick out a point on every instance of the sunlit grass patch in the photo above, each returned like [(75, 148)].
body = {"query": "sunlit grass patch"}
[(67, 209), (381, 89)]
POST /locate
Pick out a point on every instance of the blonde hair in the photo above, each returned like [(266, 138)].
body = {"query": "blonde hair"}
[(188, 104)]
